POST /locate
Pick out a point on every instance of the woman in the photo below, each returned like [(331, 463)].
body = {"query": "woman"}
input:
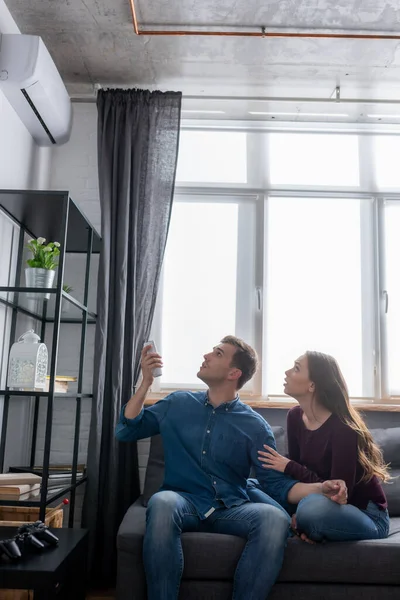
[(328, 439)]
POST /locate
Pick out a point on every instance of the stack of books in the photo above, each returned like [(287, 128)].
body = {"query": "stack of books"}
[(60, 476), (19, 486), (60, 480), (60, 383)]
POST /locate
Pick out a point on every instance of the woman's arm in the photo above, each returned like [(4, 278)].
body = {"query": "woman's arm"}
[(271, 459), (290, 466), (294, 468), (345, 455), (344, 459)]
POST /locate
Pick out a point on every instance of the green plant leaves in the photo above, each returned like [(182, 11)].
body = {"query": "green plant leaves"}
[(44, 256)]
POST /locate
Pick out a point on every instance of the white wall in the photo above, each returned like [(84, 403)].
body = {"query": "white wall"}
[(74, 168), (74, 165), (23, 165)]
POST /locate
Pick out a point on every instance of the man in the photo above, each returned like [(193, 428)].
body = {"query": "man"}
[(210, 443)]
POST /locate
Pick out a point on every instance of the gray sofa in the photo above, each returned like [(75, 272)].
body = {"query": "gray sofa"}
[(368, 570)]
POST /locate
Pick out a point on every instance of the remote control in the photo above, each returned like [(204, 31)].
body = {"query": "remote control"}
[(156, 372)]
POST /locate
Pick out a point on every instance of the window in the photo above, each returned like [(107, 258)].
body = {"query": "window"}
[(386, 159), (212, 157), (315, 298), (313, 159), (289, 268), (207, 287), (391, 295)]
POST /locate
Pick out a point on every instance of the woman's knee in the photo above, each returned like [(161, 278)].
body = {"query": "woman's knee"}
[(313, 509)]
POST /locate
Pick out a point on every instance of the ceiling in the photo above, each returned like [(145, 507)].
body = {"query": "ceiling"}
[(93, 41)]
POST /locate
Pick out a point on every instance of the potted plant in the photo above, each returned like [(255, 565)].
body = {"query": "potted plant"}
[(41, 267)]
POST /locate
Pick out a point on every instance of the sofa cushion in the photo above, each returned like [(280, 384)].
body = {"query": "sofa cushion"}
[(389, 442), (364, 562), (210, 556), (392, 491), (155, 467)]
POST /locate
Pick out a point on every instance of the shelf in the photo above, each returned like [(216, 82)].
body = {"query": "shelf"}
[(54, 216), (32, 302), (52, 495), (31, 393), (41, 214)]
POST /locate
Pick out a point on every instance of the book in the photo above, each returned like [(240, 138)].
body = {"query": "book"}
[(14, 490), (19, 492), (64, 482), (52, 491), (38, 470), (19, 479), (60, 383), (65, 475)]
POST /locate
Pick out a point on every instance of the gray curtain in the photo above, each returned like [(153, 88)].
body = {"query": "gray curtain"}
[(138, 135)]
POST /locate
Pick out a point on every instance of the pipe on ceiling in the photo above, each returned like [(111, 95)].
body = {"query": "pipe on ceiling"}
[(92, 98), (262, 33)]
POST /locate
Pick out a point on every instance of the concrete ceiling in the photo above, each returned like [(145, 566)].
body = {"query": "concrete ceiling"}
[(93, 41)]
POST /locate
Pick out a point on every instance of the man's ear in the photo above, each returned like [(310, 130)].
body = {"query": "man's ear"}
[(234, 374)]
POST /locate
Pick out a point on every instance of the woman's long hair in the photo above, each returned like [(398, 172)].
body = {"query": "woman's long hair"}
[(331, 391)]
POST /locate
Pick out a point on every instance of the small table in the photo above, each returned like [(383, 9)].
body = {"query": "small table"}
[(55, 572)]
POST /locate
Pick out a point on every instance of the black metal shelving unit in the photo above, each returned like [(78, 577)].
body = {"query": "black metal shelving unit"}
[(54, 216)]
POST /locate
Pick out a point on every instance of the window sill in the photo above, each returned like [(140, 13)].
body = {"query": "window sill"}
[(265, 402)]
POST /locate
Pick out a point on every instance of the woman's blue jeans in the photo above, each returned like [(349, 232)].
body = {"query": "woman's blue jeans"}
[(322, 519)]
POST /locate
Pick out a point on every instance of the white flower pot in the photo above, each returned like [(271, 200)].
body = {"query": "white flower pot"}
[(40, 278)]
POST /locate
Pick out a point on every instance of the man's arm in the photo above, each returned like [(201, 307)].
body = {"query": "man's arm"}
[(136, 423), (275, 484), (149, 361)]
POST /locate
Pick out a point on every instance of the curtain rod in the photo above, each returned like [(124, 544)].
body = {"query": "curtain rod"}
[(260, 33)]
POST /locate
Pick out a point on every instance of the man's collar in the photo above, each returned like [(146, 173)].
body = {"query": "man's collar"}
[(227, 405)]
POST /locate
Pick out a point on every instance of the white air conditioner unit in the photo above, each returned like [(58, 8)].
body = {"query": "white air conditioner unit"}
[(33, 86)]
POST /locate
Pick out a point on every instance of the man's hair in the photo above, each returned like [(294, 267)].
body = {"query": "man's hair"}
[(245, 359)]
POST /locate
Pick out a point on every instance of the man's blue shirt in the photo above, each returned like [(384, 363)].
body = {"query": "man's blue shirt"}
[(208, 451)]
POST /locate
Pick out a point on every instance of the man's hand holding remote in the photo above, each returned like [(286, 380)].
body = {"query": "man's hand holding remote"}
[(149, 362)]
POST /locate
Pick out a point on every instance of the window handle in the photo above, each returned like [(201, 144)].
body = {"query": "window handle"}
[(386, 296), (259, 298)]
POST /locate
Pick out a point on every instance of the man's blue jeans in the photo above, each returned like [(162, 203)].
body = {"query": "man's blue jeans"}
[(322, 519), (265, 528)]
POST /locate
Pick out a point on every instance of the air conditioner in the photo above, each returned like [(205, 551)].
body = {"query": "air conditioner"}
[(33, 86)]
